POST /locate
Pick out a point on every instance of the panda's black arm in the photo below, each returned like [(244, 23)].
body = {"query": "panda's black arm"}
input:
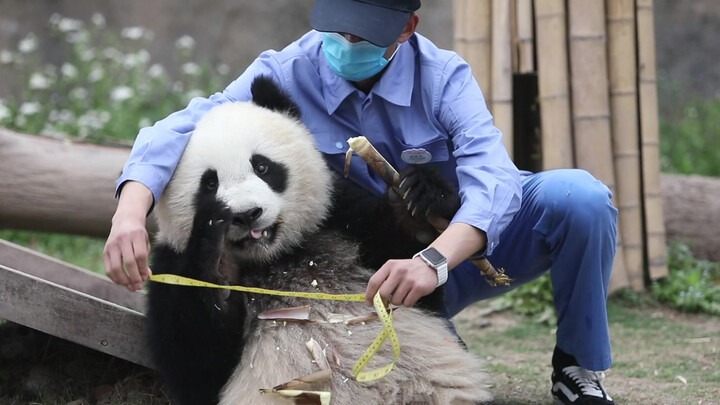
[(193, 333)]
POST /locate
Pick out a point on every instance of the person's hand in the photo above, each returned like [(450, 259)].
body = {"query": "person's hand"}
[(128, 246), (402, 282)]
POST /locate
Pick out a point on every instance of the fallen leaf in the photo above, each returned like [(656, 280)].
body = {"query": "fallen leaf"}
[(681, 379), (316, 377), (318, 354), (287, 314), (303, 397)]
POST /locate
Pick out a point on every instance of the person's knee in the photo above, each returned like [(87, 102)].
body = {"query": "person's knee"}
[(575, 194)]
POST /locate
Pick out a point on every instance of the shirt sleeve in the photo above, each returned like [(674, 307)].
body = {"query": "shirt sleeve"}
[(157, 149), (489, 182)]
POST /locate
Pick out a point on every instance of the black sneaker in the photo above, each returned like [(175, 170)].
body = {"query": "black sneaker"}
[(576, 385)]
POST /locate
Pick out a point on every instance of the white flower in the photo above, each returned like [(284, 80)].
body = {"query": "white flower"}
[(69, 24), (96, 74), (28, 44), (38, 81), (144, 122), (30, 108), (78, 37), (61, 116), (69, 70), (134, 59), (87, 54), (98, 20), (191, 69), (223, 69), (92, 120), (156, 70), (52, 131), (4, 111), (185, 42), (114, 54), (132, 32), (55, 19), (6, 57), (79, 93), (194, 93), (121, 93)]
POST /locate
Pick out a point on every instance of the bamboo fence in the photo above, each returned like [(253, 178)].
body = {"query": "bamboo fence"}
[(595, 66)]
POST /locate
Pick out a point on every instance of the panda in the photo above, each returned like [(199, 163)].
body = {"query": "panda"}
[(253, 203)]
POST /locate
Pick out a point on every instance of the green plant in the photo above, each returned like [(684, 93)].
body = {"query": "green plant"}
[(534, 299), (106, 89), (693, 285), (689, 133), (108, 86)]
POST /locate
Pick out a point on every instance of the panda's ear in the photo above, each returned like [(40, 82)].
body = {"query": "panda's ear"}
[(269, 95)]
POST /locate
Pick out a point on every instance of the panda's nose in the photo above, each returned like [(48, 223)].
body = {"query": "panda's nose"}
[(248, 217)]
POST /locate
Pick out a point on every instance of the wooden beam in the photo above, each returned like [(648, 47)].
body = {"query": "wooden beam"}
[(553, 80), (650, 141), (56, 271), (73, 315)]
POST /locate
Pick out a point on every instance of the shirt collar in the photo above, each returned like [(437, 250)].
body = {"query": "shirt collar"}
[(395, 85)]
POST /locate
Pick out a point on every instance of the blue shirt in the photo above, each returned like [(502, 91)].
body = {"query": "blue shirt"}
[(427, 98)]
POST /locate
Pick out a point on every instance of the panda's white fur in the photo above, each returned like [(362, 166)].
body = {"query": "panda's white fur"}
[(433, 367), (225, 139)]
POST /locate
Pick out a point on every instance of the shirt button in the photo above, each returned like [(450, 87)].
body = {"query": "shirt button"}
[(339, 145)]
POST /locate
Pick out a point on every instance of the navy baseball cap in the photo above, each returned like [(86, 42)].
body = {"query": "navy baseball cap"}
[(377, 21)]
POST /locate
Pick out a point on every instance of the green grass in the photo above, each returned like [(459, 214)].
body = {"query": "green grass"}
[(654, 348), (81, 251)]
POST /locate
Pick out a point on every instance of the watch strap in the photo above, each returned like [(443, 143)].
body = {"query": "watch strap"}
[(441, 269)]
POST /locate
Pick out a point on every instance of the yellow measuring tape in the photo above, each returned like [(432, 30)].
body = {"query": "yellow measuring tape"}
[(386, 317)]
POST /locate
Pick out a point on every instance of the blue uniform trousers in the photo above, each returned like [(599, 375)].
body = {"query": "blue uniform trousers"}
[(566, 224)]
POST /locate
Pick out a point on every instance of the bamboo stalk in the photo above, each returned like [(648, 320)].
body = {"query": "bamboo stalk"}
[(625, 136), (590, 102), (472, 38), (501, 100), (553, 79), (650, 142), (524, 36)]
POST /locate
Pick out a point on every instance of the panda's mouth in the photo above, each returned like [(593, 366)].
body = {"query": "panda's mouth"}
[(244, 237)]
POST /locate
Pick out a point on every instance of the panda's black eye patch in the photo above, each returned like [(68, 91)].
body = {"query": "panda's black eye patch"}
[(209, 180), (273, 173)]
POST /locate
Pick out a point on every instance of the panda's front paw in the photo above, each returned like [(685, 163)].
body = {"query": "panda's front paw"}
[(211, 214), (426, 194)]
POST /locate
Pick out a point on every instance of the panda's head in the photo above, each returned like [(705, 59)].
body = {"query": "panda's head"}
[(266, 170)]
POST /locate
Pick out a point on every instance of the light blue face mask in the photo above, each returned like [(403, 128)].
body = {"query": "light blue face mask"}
[(354, 61)]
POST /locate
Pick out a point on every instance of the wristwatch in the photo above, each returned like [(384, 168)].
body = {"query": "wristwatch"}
[(437, 261)]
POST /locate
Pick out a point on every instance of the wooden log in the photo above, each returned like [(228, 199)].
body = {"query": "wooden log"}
[(57, 186), (650, 141), (625, 135), (472, 38), (73, 315), (591, 107), (501, 105), (76, 278), (692, 212), (524, 38), (553, 80)]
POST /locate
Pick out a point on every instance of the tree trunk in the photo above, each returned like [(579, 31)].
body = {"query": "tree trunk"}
[(692, 212), (52, 185), (56, 185)]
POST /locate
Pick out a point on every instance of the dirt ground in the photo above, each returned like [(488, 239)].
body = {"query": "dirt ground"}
[(661, 357)]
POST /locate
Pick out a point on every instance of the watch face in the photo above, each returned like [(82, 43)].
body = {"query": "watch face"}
[(435, 257)]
